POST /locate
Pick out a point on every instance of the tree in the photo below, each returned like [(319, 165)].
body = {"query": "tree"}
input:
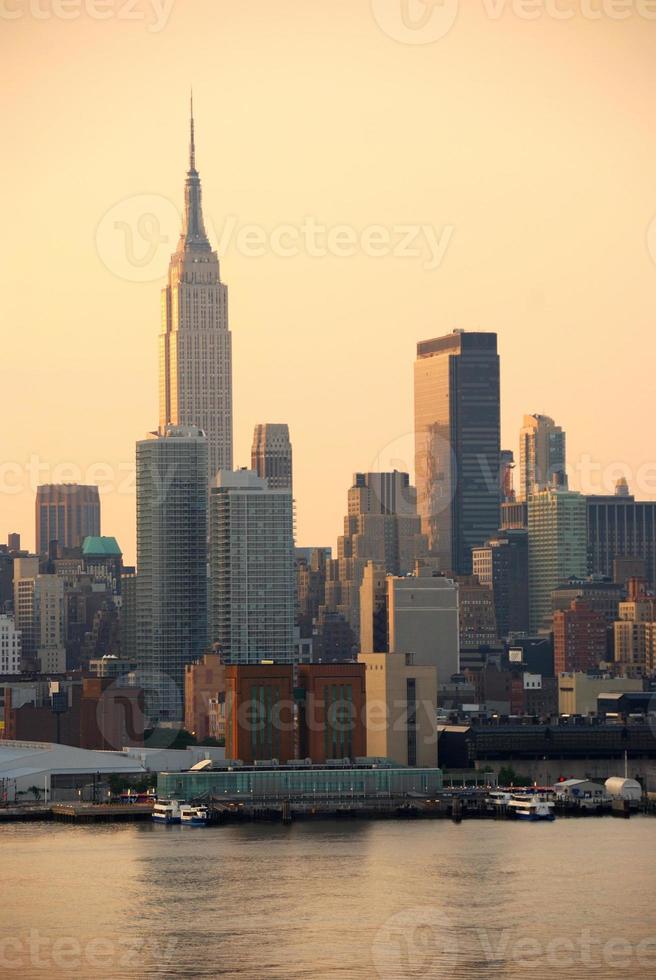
[(508, 777)]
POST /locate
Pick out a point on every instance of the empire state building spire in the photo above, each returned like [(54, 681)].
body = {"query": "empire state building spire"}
[(195, 343), (193, 230)]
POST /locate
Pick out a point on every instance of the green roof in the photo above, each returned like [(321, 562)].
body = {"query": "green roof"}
[(107, 547)]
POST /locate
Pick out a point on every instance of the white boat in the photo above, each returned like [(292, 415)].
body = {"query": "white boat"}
[(167, 811), (499, 797), (531, 808), (194, 815)]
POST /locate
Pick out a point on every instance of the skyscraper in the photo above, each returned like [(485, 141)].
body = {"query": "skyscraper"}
[(195, 343), (541, 455), (253, 584), (171, 614), (621, 527), (557, 548), (457, 444), (271, 455), (382, 525), (66, 513)]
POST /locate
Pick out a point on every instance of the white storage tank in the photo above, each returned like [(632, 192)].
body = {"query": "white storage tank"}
[(620, 788)]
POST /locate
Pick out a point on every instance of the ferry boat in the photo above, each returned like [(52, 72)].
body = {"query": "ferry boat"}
[(194, 815), (498, 797), (531, 808), (167, 811)]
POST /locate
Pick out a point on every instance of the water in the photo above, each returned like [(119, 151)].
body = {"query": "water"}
[(345, 900)]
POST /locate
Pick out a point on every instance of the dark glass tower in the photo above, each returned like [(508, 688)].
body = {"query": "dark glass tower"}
[(457, 444)]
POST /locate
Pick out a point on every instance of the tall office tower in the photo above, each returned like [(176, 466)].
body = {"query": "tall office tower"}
[(271, 455), (26, 569), (457, 444), (557, 548), (253, 579), (542, 462), (502, 565), (195, 381), (619, 526), (171, 626), (66, 513), (310, 586), (382, 525), (128, 614), (14, 541), (50, 623)]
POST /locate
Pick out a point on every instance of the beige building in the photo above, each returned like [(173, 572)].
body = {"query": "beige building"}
[(401, 709), (50, 617), (635, 636), (542, 451), (577, 693), (382, 526), (26, 569), (416, 614), (195, 371)]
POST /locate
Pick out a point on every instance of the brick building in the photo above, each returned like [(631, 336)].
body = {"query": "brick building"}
[(579, 638)]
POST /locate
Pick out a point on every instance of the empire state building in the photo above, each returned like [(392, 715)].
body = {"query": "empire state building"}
[(195, 386)]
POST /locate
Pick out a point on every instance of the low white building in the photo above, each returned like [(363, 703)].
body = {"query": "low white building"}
[(583, 792), (47, 771)]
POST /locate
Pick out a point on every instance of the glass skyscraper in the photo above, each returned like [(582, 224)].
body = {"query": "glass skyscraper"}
[(171, 626), (457, 444)]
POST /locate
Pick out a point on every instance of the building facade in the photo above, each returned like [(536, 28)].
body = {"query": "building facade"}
[(253, 580), (542, 450), (557, 548), (621, 527), (382, 525), (401, 709), (204, 682), (195, 369), (271, 455), (331, 719), (66, 513), (502, 565), (171, 590), (579, 638), (10, 646), (457, 444)]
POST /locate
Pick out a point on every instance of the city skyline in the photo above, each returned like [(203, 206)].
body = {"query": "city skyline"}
[(565, 281)]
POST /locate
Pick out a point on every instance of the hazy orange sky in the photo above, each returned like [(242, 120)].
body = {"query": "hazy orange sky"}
[(528, 146)]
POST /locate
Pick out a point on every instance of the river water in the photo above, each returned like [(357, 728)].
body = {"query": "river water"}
[(389, 899)]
